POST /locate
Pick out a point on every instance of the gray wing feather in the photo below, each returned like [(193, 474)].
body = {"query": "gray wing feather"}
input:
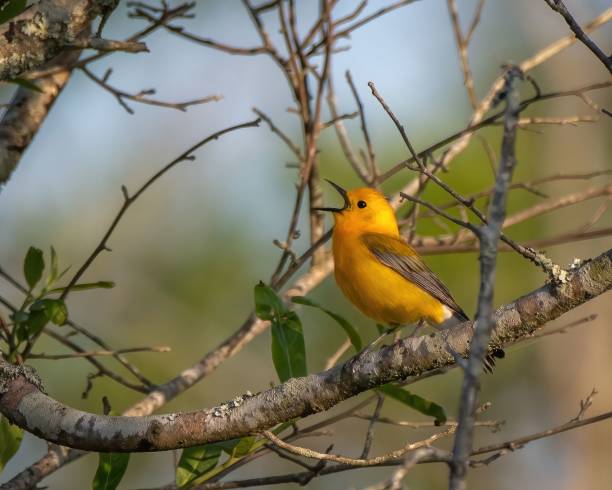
[(414, 270)]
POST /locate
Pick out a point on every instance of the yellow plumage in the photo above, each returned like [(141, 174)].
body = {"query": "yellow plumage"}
[(380, 273)]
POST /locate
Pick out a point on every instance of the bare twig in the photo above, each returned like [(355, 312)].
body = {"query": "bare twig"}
[(103, 370), (97, 353), (360, 23), (393, 455), (558, 121), (559, 6), (564, 328), (395, 120), (276, 130), (370, 434), (371, 156), (335, 357), (518, 443), (558, 203), (494, 425), (342, 135), (142, 96), (432, 247), (585, 405), (463, 44)]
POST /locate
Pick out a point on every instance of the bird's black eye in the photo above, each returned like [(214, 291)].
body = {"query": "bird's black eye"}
[(361, 204)]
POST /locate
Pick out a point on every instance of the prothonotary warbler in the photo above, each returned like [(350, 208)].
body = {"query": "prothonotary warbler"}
[(380, 273)]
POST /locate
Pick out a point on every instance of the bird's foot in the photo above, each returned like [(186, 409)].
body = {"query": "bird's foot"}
[(384, 333), (418, 328)]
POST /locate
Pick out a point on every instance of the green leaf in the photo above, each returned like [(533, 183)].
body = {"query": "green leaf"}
[(27, 84), (267, 303), (243, 447), (350, 331), (416, 402), (10, 440), (197, 461), (87, 285), (33, 266), (237, 449), (54, 309), (11, 9), (288, 349), (19, 317), (35, 323), (21, 320), (111, 468)]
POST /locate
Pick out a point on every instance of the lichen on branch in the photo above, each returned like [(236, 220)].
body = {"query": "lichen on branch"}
[(24, 404)]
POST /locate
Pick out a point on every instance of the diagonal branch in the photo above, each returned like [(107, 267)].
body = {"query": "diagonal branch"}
[(27, 406), (559, 6), (27, 112)]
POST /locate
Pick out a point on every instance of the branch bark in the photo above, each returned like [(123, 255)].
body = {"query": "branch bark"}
[(27, 112), (559, 7), (22, 402), (42, 32)]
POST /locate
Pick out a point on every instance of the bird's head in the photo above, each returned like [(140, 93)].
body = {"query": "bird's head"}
[(365, 210)]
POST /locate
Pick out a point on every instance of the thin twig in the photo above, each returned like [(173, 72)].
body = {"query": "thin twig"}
[(371, 156), (103, 370), (393, 455), (279, 132), (142, 96), (370, 434), (97, 353), (564, 328), (395, 120), (494, 425), (342, 135), (559, 6), (335, 357), (463, 44)]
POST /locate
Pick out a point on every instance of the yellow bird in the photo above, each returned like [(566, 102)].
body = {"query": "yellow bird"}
[(378, 271)]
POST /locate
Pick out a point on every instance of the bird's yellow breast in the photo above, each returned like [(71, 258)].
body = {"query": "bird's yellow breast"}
[(377, 290)]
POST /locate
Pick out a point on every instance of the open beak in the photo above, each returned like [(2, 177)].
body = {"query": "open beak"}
[(344, 195)]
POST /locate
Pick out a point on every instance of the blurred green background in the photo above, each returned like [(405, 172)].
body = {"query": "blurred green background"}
[(188, 253)]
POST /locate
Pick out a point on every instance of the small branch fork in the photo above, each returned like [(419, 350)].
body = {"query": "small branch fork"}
[(463, 42), (142, 96)]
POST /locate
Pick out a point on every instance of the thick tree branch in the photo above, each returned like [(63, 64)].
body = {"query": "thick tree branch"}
[(26, 113), (42, 32), (27, 406)]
